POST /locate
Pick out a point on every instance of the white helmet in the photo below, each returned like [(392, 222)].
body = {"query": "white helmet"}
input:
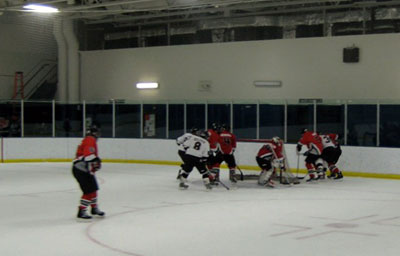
[(276, 139)]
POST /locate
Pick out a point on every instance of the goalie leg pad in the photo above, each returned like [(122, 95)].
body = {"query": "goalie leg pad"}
[(264, 177)]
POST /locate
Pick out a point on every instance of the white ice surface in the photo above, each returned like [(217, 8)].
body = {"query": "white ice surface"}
[(148, 215)]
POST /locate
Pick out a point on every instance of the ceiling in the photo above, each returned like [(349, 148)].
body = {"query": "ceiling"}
[(144, 12)]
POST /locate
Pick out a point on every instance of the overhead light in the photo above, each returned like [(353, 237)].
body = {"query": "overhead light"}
[(267, 83), (40, 8), (147, 85)]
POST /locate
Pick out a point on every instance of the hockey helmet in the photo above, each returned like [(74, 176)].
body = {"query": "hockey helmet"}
[(214, 126), (203, 134), (93, 131), (194, 130), (304, 130), (225, 127), (276, 139)]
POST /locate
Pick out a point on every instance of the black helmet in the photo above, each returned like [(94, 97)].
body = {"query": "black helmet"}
[(304, 130), (93, 131), (225, 127), (214, 126), (194, 130), (203, 134)]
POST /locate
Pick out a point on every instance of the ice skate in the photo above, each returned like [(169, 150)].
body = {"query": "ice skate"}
[(312, 178), (83, 216), (332, 175), (232, 177), (339, 176), (270, 184), (96, 212), (182, 184)]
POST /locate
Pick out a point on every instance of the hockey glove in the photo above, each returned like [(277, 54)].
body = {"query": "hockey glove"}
[(95, 164), (204, 159), (306, 153), (298, 148)]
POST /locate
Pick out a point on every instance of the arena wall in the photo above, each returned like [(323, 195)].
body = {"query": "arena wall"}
[(355, 161), (307, 67)]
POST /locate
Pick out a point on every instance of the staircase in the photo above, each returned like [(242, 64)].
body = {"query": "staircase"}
[(39, 84)]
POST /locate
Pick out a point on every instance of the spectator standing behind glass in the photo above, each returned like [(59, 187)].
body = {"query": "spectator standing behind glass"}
[(15, 126), (4, 127)]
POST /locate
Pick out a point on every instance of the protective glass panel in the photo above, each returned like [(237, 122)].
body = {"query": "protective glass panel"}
[(69, 120), (219, 114), (298, 118), (330, 119), (245, 121), (272, 120), (10, 119), (389, 133), (154, 121), (127, 121), (101, 116), (361, 123), (195, 116), (175, 122), (38, 119)]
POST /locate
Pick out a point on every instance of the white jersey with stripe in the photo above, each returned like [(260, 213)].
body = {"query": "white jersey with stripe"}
[(182, 139), (196, 146), (327, 142)]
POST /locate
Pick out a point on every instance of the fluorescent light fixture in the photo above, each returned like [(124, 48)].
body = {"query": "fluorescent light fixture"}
[(147, 85), (40, 8), (267, 83)]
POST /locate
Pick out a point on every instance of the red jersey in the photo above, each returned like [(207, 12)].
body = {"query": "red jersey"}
[(87, 148), (213, 139), (312, 141), (227, 142), (271, 149)]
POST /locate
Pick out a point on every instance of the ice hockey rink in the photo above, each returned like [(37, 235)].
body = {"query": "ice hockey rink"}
[(148, 215)]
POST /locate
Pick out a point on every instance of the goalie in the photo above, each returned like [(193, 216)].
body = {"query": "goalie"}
[(269, 157)]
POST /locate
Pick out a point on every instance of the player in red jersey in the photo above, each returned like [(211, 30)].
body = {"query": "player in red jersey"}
[(269, 157), (331, 154), (314, 162), (215, 158), (86, 163), (227, 143)]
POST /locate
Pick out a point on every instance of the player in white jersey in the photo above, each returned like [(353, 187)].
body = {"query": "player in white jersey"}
[(181, 148), (196, 154), (331, 153)]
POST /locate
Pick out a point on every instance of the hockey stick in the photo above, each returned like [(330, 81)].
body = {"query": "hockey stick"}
[(298, 163), (241, 173), (297, 172), (223, 184)]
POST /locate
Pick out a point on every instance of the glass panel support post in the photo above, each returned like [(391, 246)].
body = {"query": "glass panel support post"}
[(53, 118), (285, 123), (345, 123), (167, 120), (378, 122), (113, 118), (84, 118), (315, 115), (141, 120), (22, 119)]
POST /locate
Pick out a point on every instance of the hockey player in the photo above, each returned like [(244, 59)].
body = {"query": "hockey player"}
[(331, 154), (196, 155), (269, 157), (215, 158), (227, 142), (85, 165), (181, 148), (314, 162)]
